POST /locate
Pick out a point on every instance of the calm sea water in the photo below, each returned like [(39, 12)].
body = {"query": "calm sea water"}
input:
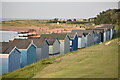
[(5, 36)]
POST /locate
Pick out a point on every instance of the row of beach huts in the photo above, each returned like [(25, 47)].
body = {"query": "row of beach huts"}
[(22, 52)]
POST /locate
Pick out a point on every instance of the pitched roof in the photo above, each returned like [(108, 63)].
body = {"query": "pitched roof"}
[(51, 41), (71, 35), (21, 43), (58, 36), (38, 42), (109, 26), (106, 26), (6, 47), (83, 32), (97, 30), (88, 31)]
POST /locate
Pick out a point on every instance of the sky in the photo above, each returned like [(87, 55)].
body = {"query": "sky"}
[(49, 10)]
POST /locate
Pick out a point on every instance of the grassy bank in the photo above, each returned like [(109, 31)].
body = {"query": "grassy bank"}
[(98, 61)]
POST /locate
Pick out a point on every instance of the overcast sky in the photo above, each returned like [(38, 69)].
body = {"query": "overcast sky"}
[(48, 10)]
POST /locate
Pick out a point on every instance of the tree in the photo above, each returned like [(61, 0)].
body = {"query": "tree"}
[(69, 20), (74, 19), (55, 19), (108, 17)]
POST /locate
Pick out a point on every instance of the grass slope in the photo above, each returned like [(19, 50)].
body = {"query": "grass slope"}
[(98, 61)]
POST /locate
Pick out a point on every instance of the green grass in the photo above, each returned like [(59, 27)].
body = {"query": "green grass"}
[(98, 61)]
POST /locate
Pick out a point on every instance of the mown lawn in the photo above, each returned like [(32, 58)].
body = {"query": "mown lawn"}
[(98, 61)]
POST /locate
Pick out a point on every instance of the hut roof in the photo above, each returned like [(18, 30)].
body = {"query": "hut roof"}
[(97, 30), (83, 32), (21, 43), (106, 26), (38, 42), (6, 47), (51, 41), (58, 36), (71, 35)]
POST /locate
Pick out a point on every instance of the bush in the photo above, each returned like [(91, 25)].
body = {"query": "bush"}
[(76, 22)]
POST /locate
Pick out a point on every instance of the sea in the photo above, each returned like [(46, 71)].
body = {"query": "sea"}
[(5, 36)]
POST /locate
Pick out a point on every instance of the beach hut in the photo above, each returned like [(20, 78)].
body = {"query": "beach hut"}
[(27, 49), (73, 41), (98, 35), (95, 37), (63, 39), (89, 37), (105, 33), (42, 50), (54, 46), (81, 38), (110, 30), (102, 33), (9, 58)]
